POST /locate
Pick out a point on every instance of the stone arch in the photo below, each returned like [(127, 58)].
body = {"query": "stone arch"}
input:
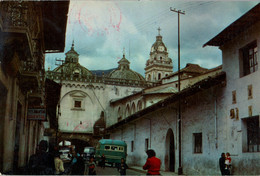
[(169, 159), (133, 108), (74, 91), (127, 110)]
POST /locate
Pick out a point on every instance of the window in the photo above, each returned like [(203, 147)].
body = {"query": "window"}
[(76, 73), (159, 76), (107, 147), (234, 97), (197, 142), (250, 91), (146, 144), (251, 136), (114, 148), (132, 146), (77, 104), (249, 63)]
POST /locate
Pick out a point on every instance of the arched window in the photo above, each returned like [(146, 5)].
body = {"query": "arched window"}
[(139, 105), (133, 108), (76, 73), (119, 114), (159, 76), (127, 111), (149, 77)]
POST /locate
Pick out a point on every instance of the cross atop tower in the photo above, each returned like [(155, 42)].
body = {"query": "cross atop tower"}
[(159, 29), (124, 51), (72, 46)]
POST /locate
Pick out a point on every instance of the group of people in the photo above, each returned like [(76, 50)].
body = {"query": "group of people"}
[(49, 163), (225, 164)]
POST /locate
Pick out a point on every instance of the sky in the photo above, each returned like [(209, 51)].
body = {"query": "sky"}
[(102, 29)]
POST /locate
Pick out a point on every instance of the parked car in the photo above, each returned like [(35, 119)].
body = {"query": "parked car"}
[(88, 152)]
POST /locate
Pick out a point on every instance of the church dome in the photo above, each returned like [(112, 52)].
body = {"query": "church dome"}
[(72, 66), (124, 72)]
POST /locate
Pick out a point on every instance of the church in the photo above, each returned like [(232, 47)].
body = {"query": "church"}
[(90, 103)]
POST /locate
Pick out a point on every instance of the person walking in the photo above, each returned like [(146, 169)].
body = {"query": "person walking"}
[(59, 167), (153, 164), (92, 167), (103, 161), (41, 163), (222, 164), (122, 167), (78, 164)]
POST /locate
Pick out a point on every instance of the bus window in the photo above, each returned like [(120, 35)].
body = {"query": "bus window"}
[(107, 147), (114, 148), (121, 148)]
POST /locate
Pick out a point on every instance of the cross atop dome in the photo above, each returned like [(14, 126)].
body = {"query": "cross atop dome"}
[(159, 30), (72, 46), (124, 51)]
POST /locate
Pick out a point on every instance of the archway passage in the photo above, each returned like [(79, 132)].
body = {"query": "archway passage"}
[(170, 151)]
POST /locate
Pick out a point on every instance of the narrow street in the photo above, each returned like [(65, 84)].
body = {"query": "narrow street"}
[(113, 171)]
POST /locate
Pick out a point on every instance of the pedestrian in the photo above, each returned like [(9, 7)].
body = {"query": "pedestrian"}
[(228, 164), (222, 164), (78, 164), (153, 164), (122, 167), (40, 163), (92, 166), (103, 161), (59, 167)]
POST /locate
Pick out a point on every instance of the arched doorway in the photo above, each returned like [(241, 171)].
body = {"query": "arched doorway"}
[(170, 152)]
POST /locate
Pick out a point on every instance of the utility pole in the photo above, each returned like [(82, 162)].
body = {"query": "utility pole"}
[(179, 88), (59, 62)]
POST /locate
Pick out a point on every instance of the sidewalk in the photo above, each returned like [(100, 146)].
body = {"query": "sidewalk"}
[(140, 169)]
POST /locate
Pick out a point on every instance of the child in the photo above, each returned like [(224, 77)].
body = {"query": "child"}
[(228, 164), (92, 167), (122, 167)]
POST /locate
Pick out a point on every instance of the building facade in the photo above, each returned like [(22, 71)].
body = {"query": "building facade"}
[(218, 113), (26, 33)]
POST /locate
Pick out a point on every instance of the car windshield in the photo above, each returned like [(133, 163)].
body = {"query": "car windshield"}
[(89, 150)]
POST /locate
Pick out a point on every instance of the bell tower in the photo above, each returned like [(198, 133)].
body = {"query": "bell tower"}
[(159, 64)]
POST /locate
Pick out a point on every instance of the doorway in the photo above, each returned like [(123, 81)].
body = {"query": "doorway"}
[(170, 151)]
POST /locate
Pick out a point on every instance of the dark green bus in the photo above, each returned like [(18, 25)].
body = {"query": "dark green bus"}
[(113, 150)]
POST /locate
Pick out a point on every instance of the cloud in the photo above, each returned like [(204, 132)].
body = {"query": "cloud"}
[(101, 29)]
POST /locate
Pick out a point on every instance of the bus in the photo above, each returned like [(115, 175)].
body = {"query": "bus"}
[(113, 150)]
